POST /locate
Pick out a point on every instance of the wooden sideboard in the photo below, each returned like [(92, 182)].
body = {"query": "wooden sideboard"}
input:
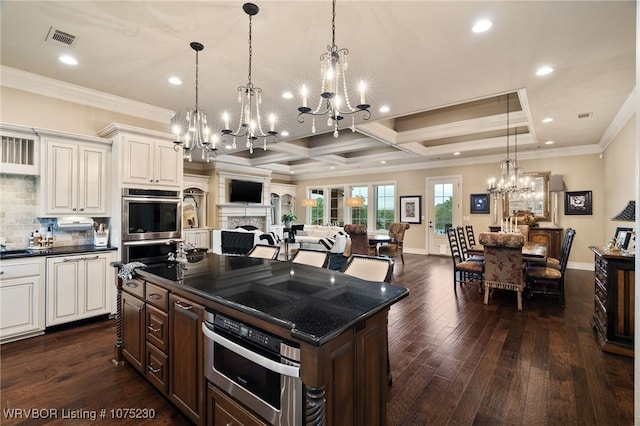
[(552, 237), (614, 298)]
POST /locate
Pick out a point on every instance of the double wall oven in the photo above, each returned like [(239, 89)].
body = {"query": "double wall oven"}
[(151, 224), (257, 368)]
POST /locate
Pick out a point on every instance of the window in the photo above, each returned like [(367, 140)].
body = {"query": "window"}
[(443, 202), (359, 214), (317, 212), (336, 206), (385, 206)]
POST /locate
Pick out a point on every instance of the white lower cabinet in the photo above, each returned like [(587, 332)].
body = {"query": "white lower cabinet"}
[(22, 298), (78, 286)]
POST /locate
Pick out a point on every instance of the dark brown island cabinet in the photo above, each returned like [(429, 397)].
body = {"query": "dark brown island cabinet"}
[(344, 373), (614, 298)]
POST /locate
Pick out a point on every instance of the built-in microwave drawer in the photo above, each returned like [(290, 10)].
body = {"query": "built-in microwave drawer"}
[(157, 296), (134, 287)]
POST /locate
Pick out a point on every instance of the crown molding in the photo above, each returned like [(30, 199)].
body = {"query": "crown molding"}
[(56, 89), (626, 111)]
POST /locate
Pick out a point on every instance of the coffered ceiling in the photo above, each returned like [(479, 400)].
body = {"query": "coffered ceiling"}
[(445, 85)]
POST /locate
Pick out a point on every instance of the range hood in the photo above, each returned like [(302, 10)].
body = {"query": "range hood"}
[(74, 223)]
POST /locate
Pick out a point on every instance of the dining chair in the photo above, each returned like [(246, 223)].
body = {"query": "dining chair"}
[(371, 268), (264, 252), (549, 280), (464, 249), (471, 237), (524, 230), (464, 271), (310, 257), (359, 240), (395, 247), (503, 263)]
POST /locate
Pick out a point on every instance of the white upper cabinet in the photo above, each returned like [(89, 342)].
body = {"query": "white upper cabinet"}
[(146, 158), (75, 177)]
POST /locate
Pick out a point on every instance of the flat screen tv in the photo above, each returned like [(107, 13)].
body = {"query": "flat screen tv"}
[(243, 191)]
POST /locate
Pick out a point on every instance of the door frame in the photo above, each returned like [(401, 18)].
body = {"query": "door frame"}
[(457, 211)]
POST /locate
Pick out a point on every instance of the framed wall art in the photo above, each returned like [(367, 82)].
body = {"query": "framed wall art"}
[(577, 202), (411, 209), (480, 204)]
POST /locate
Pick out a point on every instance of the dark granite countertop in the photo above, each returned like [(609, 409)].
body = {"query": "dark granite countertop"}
[(316, 304), (53, 251)]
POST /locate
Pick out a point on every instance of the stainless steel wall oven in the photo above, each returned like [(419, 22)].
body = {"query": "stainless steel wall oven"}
[(259, 369), (151, 214)]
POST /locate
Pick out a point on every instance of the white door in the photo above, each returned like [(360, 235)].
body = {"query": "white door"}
[(443, 209)]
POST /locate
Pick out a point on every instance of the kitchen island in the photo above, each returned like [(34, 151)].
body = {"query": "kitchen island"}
[(338, 322)]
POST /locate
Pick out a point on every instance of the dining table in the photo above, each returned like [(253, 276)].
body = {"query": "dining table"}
[(375, 240), (531, 251)]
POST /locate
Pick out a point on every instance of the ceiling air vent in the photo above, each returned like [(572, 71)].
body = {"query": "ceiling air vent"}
[(585, 115), (60, 37)]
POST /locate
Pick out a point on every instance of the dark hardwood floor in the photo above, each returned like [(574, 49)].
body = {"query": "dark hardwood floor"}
[(454, 361)]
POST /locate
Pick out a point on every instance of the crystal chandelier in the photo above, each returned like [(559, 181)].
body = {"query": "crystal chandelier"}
[(250, 98), (511, 180), (197, 133), (334, 100)]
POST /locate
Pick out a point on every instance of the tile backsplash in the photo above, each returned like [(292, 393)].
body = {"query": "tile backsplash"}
[(19, 209)]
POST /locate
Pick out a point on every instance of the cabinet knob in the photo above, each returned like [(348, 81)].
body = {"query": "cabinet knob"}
[(157, 180), (81, 210), (74, 209)]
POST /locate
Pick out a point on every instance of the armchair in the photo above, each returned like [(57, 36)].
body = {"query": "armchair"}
[(359, 240), (395, 247)]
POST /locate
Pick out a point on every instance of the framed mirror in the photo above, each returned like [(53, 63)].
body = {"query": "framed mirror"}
[(532, 207)]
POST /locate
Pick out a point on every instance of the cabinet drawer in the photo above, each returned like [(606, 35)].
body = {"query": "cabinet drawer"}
[(157, 367), (134, 287), (157, 326), (225, 411), (157, 296), (23, 269)]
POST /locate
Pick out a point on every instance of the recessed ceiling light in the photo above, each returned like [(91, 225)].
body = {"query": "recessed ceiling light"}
[(175, 81), (383, 162), (544, 70), (332, 167), (287, 95), (228, 146), (549, 143), (291, 172), (482, 26), (547, 120), (456, 153), (69, 60), (284, 133), (384, 108)]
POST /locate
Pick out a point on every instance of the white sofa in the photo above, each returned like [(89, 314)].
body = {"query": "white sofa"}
[(320, 237)]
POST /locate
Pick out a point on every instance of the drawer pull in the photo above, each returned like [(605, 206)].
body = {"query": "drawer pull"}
[(154, 330), (138, 309), (153, 370), (154, 296), (71, 260), (183, 306), (89, 258), (131, 285)]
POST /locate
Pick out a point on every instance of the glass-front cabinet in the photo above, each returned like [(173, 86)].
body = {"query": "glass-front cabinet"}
[(283, 201), (195, 194)]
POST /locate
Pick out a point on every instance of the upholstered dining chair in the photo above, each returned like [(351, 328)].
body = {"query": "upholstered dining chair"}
[(524, 230), (316, 258), (371, 268), (503, 263), (359, 240), (464, 271), (395, 246), (264, 252), (549, 279)]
